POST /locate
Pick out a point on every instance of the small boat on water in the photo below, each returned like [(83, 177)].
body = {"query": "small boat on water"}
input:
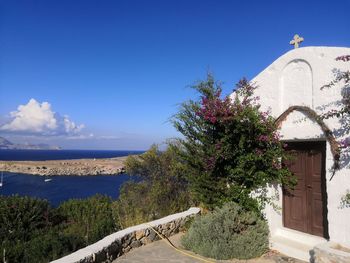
[(2, 179), (47, 180)]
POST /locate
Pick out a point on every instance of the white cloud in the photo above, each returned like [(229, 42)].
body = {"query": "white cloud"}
[(38, 118)]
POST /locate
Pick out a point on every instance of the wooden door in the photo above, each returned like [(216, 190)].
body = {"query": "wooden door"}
[(304, 206)]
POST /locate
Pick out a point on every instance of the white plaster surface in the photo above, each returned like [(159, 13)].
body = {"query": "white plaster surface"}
[(105, 242), (296, 78)]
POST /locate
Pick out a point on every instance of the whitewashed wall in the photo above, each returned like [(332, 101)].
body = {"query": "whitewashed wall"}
[(295, 79)]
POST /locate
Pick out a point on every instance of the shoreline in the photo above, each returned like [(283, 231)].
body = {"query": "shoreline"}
[(76, 167)]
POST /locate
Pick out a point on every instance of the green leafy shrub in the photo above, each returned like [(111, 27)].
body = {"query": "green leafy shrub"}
[(32, 231), (44, 247), (89, 218), (21, 216), (132, 206), (146, 201), (162, 191), (229, 232)]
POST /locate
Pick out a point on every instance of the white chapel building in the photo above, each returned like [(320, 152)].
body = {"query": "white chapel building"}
[(312, 213)]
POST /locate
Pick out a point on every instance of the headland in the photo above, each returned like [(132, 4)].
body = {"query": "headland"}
[(79, 167)]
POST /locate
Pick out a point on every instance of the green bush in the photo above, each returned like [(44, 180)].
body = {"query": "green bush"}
[(148, 200), (21, 216), (130, 209), (228, 232), (32, 231), (90, 219), (162, 191), (45, 247)]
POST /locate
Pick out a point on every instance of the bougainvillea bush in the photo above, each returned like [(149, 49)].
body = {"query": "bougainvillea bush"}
[(232, 149)]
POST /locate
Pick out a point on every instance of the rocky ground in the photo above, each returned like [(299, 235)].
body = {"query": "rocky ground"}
[(78, 167)]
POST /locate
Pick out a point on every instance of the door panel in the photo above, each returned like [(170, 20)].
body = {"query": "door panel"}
[(315, 193), (295, 209), (304, 206)]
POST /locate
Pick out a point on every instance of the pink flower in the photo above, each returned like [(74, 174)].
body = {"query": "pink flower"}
[(259, 152), (210, 163), (263, 138), (344, 143)]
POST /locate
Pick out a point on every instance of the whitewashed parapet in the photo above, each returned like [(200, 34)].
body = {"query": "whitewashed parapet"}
[(119, 243)]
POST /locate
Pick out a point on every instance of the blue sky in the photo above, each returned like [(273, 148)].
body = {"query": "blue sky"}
[(119, 69)]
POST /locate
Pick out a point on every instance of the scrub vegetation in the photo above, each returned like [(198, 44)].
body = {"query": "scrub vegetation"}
[(163, 189), (32, 231)]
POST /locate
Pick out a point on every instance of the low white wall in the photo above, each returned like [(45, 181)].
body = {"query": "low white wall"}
[(118, 243)]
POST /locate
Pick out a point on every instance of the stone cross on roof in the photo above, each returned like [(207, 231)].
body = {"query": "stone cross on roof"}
[(296, 40)]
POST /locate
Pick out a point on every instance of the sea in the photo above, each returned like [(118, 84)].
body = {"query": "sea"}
[(62, 188)]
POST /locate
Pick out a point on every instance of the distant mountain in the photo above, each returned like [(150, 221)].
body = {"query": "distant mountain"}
[(6, 144)]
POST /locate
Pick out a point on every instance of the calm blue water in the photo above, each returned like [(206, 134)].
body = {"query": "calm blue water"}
[(39, 155), (61, 188)]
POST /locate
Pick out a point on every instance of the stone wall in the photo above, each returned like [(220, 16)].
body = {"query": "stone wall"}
[(121, 242), (330, 252)]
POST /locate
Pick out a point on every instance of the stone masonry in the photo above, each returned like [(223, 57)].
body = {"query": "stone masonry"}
[(121, 242)]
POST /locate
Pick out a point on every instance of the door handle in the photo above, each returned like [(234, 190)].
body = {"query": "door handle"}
[(309, 186)]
